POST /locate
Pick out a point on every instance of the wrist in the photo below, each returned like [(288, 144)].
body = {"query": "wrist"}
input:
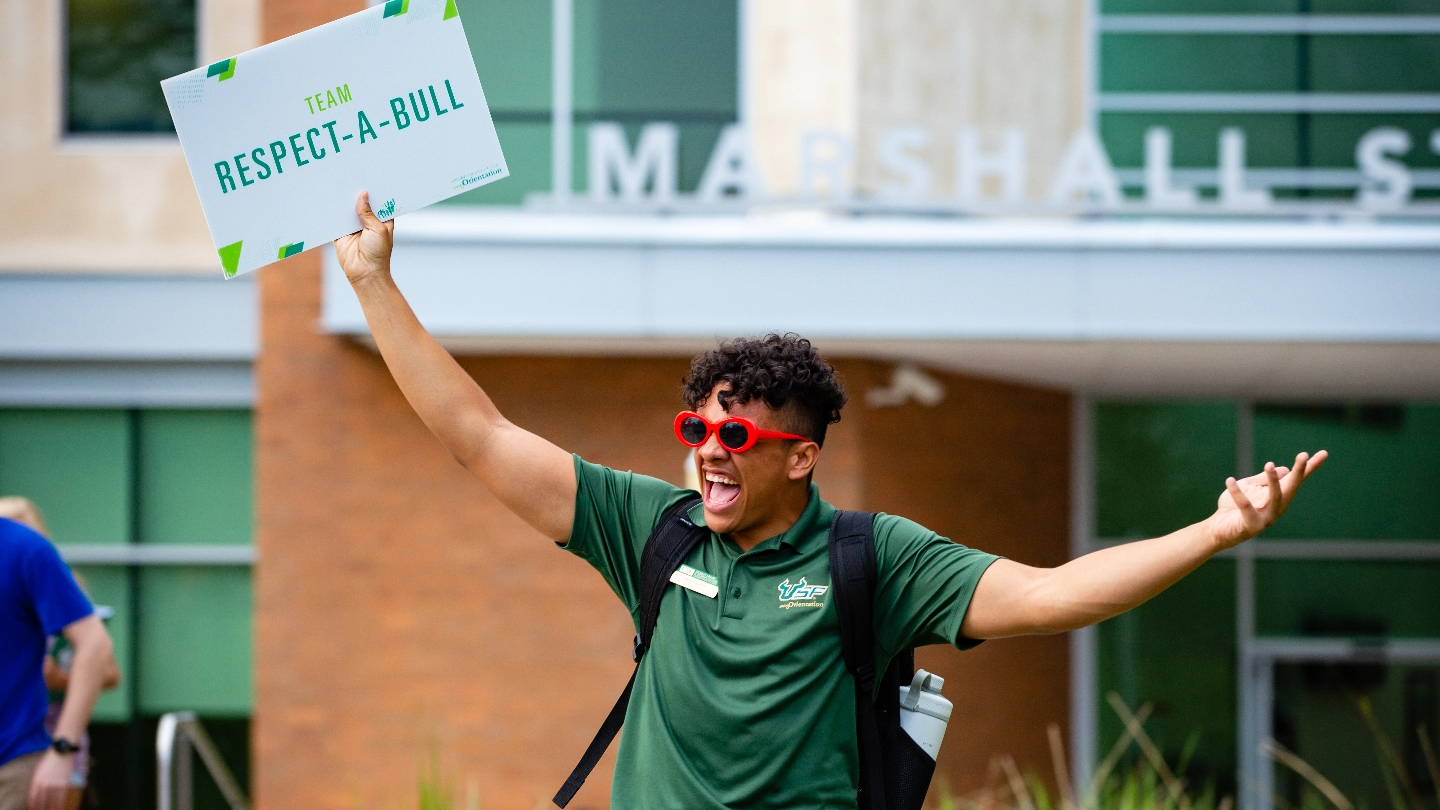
[(370, 279), (64, 746), (1212, 542)]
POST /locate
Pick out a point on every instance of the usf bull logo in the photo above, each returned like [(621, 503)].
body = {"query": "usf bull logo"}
[(801, 591)]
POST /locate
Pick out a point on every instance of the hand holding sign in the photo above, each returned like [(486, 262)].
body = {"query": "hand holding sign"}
[(280, 140), (366, 252)]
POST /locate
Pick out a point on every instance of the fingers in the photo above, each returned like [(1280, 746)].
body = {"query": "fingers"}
[(42, 797), (1275, 503), (368, 220), (1252, 518)]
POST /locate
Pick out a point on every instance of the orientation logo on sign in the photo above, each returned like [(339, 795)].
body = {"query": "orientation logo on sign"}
[(282, 139)]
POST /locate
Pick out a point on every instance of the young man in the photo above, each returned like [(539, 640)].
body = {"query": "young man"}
[(40, 598), (743, 699)]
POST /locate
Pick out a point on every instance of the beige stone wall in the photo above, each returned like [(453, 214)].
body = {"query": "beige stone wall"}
[(862, 67), (804, 71), (96, 204)]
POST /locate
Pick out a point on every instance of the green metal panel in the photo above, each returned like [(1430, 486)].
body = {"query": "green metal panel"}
[(195, 477), (1173, 63), (1270, 63), (1271, 139), (1374, 6), (75, 465), (1270, 6), (1177, 652), (1347, 598), (1199, 6), (1159, 466), (1375, 64), (109, 585), (1380, 482), (195, 639), (663, 59), (510, 40)]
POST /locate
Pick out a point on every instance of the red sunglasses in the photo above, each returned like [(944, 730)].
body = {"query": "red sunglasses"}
[(737, 434)]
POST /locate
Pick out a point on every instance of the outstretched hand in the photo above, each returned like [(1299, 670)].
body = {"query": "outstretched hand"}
[(366, 252), (1252, 505)]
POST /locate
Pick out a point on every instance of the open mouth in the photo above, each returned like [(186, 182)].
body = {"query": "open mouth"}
[(720, 490)]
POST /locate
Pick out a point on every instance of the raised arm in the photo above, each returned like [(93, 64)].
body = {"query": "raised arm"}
[(1014, 599), (531, 476)]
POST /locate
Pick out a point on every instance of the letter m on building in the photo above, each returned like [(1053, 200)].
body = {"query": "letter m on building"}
[(612, 168)]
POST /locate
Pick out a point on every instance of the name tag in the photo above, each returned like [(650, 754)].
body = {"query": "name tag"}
[(696, 580)]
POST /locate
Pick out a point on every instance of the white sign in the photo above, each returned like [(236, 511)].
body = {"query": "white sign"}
[(282, 139)]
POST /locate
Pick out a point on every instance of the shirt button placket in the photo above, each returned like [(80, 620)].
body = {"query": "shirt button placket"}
[(733, 591)]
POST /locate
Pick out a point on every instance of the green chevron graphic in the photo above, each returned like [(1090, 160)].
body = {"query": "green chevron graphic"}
[(395, 8), (290, 250), (450, 10), (224, 69), (230, 258)]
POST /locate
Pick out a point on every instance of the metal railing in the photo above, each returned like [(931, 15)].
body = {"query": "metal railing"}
[(178, 735)]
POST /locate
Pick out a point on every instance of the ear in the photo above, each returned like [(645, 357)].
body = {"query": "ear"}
[(802, 460)]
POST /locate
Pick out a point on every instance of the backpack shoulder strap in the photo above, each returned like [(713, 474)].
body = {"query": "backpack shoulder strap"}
[(853, 573), (672, 539)]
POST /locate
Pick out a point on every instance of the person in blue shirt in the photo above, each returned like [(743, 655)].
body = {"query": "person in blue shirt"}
[(38, 598)]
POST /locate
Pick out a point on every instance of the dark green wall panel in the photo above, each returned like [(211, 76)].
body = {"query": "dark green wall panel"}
[(109, 585), (195, 639), (196, 477), (74, 464)]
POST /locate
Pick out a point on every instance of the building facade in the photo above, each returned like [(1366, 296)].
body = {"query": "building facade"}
[(1077, 262)]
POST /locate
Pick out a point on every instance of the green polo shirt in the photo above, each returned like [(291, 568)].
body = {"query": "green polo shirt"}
[(743, 699)]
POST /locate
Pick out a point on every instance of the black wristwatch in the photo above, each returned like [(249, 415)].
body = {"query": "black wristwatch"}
[(64, 746)]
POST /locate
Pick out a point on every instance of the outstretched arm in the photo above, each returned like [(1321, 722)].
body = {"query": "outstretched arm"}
[(532, 477), (1013, 599)]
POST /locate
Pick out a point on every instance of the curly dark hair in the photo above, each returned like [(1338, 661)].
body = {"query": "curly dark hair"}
[(783, 371)]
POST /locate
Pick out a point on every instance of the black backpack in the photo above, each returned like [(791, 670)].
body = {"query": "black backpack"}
[(895, 771)]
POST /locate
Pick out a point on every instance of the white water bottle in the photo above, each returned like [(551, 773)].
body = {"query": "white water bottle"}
[(924, 713)]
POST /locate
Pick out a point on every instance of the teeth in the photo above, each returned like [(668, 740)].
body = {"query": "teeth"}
[(715, 478)]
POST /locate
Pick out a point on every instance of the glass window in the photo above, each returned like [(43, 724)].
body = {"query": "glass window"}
[(117, 53), (1380, 482), (1159, 466), (1347, 598), (1177, 652), (1321, 714)]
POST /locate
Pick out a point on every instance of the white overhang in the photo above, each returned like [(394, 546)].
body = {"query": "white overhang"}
[(1162, 307), (119, 340)]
